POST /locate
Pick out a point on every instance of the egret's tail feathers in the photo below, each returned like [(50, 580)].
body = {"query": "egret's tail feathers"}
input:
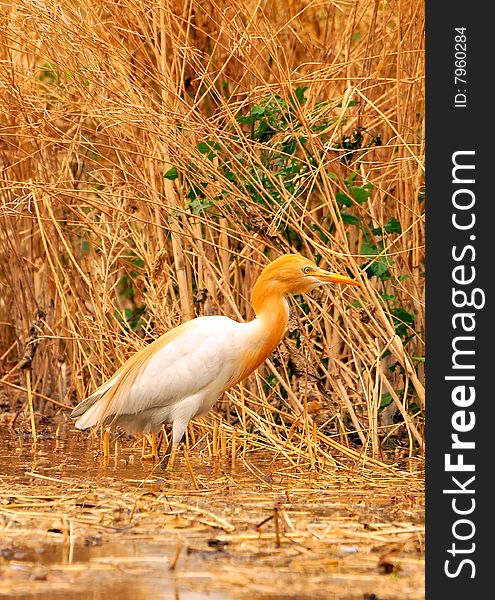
[(92, 416), (83, 406), (90, 411)]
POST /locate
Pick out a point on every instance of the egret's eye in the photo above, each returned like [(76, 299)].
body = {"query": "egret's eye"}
[(307, 270)]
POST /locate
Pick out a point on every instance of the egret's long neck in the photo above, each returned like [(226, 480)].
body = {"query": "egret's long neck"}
[(267, 329), (270, 306), (272, 311)]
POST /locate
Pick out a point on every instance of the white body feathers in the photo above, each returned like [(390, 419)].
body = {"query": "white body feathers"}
[(181, 379)]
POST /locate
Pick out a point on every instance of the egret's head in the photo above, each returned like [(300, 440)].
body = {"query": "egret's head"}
[(294, 274)]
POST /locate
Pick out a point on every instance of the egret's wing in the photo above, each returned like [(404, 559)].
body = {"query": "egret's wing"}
[(200, 354), (88, 402)]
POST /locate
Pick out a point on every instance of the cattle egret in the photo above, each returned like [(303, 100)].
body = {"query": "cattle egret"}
[(182, 373)]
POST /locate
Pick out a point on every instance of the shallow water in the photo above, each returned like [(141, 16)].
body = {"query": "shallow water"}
[(73, 525)]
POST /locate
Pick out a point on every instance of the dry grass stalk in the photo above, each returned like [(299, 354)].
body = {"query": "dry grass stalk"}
[(102, 100)]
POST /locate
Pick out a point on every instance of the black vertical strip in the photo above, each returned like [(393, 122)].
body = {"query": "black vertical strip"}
[(460, 339)]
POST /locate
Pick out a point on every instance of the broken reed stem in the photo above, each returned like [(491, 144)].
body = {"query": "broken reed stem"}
[(105, 436), (223, 443), (175, 558), (233, 449), (314, 441), (31, 405), (173, 452), (277, 526), (189, 467), (154, 448), (216, 426), (72, 542), (352, 413), (182, 278), (374, 405)]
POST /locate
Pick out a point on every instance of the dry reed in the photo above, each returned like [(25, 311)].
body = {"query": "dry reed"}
[(100, 100)]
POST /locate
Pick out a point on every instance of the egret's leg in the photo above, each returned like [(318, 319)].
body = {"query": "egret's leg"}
[(178, 428), (161, 437), (166, 457)]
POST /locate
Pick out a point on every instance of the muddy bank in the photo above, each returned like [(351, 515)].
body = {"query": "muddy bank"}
[(75, 525)]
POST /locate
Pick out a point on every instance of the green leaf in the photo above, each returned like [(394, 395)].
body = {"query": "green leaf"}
[(203, 147), (360, 194), (387, 399), (299, 94), (350, 219), (230, 176), (264, 131), (393, 226), (418, 358), (381, 266), (171, 174), (343, 199), (403, 321), (415, 409), (258, 111), (404, 315), (351, 103), (197, 206), (368, 249), (256, 114), (194, 191)]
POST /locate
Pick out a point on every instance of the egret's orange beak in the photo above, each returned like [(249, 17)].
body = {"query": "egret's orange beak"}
[(328, 277)]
